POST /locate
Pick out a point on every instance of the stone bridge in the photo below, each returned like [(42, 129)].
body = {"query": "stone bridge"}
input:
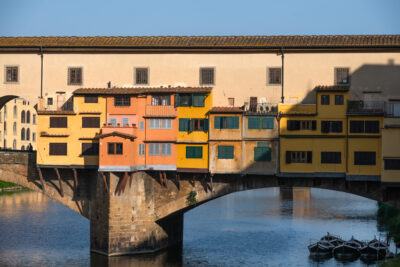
[(143, 212)]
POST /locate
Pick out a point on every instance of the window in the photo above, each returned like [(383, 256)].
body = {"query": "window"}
[(324, 99), (187, 100), (58, 122), (75, 76), (189, 125), (339, 99), (11, 74), (274, 76), (141, 125), (91, 99), (331, 157), (262, 152), (125, 121), (22, 147), (194, 152), (14, 128), (28, 117), (90, 149), (226, 122), (160, 123), (154, 149), (364, 127), (392, 164), (231, 101), (114, 148), (5, 111), (154, 123), (261, 123), (166, 149), (356, 126), (341, 76), (161, 100), (90, 122), (49, 101), (372, 126), (34, 119), (5, 128), (5, 144), (206, 76), (113, 122), (166, 123), (197, 124), (23, 116), (225, 152), (141, 76), (142, 149), (58, 149), (394, 109), (15, 144), (293, 125), (15, 113), (364, 158), (298, 156), (23, 134), (331, 126), (122, 101), (34, 137), (28, 134)]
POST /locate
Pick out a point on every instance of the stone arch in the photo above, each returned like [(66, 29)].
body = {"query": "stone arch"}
[(5, 99)]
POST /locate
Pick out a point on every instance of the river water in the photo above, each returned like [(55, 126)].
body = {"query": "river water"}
[(264, 227)]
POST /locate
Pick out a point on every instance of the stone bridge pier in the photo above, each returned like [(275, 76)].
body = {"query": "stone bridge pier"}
[(142, 212)]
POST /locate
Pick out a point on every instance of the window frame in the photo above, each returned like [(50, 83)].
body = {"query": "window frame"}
[(358, 160), (115, 148), (91, 99), (331, 157), (11, 67), (73, 82), (54, 122), (139, 69), (201, 78), (91, 122), (194, 152), (337, 98), (123, 99), (326, 97), (222, 152), (54, 148), (336, 75), (271, 73)]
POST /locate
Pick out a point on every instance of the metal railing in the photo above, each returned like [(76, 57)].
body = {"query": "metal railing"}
[(360, 106)]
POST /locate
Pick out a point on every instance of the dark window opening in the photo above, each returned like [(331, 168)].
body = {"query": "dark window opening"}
[(58, 122), (274, 76), (392, 164), (90, 122), (339, 100), (356, 126), (122, 101), (372, 126), (331, 157), (298, 156), (142, 76), (324, 99), (91, 99), (364, 158), (114, 148), (75, 76), (58, 149), (206, 76), (331, 126)]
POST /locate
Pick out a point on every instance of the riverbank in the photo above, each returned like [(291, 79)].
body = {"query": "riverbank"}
[(389, 217), (7, 187)]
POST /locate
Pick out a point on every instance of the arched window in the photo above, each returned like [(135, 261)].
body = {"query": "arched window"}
[(5, 144), (5, 111), (28, 117), (22, 147), (23, 134), (23, 116), (1, 119), (15, 112), (5, 128), (28, 134), (15, 144), (15, 128)]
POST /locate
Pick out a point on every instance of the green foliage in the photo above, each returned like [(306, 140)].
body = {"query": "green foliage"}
[(191, 199), (395, 262), (6, 184)]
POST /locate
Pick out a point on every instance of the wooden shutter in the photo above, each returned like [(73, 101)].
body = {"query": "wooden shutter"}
[(58, 122), (309, 156), (90, 122), (288, 158), (217, 122), (206, 122), (57, 149), (314, 125), (183, 125), (372, 126)]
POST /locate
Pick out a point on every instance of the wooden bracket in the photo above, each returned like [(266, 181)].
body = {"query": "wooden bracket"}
[(122, 184), (165, 179), (105, 182), (59, 181), (41, 179), (211, 182), (131, 178), (76, 181)]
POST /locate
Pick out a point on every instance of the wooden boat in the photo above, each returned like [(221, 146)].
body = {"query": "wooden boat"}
[(348, 250), (321, 248), (334, 240), (374, 250)]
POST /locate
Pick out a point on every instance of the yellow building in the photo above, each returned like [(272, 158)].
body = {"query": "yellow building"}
[(18, 125), (391, 145), (66, 137), (192, 140), (225, 140)]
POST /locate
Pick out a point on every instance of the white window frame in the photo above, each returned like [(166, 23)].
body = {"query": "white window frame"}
[(142, 149), (154, 124), (154, 149), (125, 121), (166, 149), (166, 123), (141, 125)]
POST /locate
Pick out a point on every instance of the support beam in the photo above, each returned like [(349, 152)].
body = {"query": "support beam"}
[(165, 178), (131, 178), (161, 177), (59, 181), (122, 184), (211, 182), (41, 179), (105, 181), (76, 181)]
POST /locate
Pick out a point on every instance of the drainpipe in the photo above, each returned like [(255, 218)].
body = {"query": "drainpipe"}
[(282, 74)]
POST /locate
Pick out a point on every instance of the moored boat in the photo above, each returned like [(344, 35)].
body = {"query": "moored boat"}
[(334, 240), (374, 250), (321, 248), (348, 250)]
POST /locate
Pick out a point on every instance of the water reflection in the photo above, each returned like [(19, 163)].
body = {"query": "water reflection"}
[(265, 227)]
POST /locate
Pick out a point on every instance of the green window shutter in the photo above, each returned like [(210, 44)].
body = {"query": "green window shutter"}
[(220, 152), (268, 154), (267, 123), (189, 152), (177, 100), (198, 100), (191, 125), (194, 152), (229, 152), (261, 154), (217, 122), (206, 125), (184, 125), (229, 122), (235, 122), (199, 152), (225, 152), (254, 123)]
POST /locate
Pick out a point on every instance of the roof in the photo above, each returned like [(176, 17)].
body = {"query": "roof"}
[(55, 112), (294, 41), (332, 88), (226, 110), (141, 90), (115, 133)]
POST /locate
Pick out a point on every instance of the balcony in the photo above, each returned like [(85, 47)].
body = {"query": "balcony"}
[(365, 107), (160, 111), (127, 129)]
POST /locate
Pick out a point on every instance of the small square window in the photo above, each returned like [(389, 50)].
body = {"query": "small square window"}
[(75, 76), (11, 74), (342, 76), (324, 99), (231, 101), (274, 76), (141, 75), (339, 100), (50, 101), (207, 76)]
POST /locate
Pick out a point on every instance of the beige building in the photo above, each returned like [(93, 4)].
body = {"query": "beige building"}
[(18, 125)]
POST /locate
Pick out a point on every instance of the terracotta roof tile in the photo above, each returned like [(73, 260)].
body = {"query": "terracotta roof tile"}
[(115, 133), (332, 88), (55, 112), (296, 41), (141, 90), (226, 110)]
